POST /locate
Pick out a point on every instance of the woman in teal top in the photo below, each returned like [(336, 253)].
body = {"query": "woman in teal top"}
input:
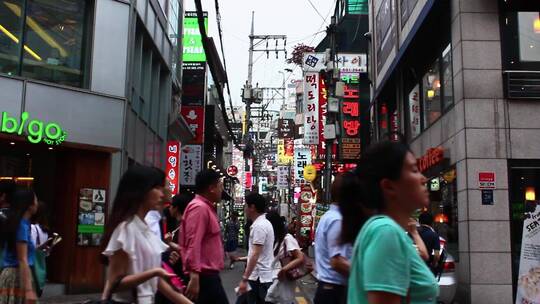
[(386, 266)]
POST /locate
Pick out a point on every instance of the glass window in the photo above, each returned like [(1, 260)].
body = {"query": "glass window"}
[(444, 208), (54, 40), (10, 36), (432, 95), (448, 80), (529, 36)]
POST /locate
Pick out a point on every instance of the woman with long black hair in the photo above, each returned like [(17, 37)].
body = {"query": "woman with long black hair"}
[(16, 283), (287, 256), (386, 267), (134, 251)]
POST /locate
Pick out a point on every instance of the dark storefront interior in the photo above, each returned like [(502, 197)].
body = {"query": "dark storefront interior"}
[(56, 174)]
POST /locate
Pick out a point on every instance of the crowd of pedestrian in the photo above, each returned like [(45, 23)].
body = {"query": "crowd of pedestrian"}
[(368, 249)]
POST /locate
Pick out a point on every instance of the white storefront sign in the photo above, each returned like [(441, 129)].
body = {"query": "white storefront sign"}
[(190, 165), (311, 108)]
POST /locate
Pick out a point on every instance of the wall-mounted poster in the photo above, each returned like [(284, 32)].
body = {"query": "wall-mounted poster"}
[(91, 216)]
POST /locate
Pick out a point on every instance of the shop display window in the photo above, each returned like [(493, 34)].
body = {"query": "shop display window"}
[(443, 208), (49, 44), (447, 79), (529, 36), (432, 96), (431, 84)]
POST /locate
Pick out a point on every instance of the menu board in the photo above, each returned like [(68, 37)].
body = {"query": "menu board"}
[(528, 287), (91, 216)]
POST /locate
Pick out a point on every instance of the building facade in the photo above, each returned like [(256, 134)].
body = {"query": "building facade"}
[(460, 80), (87, 88)]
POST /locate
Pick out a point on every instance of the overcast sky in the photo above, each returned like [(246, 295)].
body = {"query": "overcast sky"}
[(295, 18)]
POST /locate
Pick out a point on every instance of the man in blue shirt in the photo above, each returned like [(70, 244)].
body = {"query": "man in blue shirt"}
[(332, 258)]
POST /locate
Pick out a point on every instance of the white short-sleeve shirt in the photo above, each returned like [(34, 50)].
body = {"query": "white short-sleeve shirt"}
[(262, 233), (144, 249)]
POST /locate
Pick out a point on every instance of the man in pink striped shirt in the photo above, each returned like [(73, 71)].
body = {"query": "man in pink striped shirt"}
[(200, 241)]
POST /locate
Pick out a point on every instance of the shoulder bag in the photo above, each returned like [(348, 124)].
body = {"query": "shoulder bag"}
[(298, 272)]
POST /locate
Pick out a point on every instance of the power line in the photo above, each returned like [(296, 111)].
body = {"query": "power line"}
[(315, 8), (218, 18)]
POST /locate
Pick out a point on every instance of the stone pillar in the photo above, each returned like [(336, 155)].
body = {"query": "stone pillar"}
[(484, 267)]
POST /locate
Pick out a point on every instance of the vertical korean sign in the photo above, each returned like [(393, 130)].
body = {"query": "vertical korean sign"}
[(414, 111), (323, 101), (350, 121), (173, 166), (282, 177), (311, 108), (190, 165), (302, 158)]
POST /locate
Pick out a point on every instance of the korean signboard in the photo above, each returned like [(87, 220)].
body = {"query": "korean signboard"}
[(283, 177), (302, 158), (286, 128), (311, 108), (315, 62), (172, 168), (194, 116), (192, 40), (414, 111), (432, 157), (191, 164), (350, 122)]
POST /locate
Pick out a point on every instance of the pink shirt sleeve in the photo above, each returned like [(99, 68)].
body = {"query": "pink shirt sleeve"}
[(194, 231)]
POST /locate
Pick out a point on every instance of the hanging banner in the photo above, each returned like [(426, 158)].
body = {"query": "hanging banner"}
[(302, 158), (414, 111), (311, 108), (350, 123), (190, 165), (528, 287), (172, 168), (194, 116), (283, 177), (323, 101)]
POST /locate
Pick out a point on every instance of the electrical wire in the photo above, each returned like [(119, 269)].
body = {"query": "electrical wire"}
[(220, 32), (315, 8)]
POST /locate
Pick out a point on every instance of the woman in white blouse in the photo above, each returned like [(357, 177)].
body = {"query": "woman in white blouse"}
[(134, 252)]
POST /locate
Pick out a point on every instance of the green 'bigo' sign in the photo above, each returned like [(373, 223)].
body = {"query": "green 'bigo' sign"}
[(36, 131)]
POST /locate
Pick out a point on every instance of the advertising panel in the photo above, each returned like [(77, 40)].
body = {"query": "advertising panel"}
[(286, 128), (285, 151), (192, 40), (191, 164), (306, 203), (528, 291), (91, 216)]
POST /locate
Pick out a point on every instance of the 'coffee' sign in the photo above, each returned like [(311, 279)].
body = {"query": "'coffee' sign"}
[(35, 130), (431, 158)]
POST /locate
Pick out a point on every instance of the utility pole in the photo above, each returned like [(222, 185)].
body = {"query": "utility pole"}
[(331, 117), (251, 95)]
